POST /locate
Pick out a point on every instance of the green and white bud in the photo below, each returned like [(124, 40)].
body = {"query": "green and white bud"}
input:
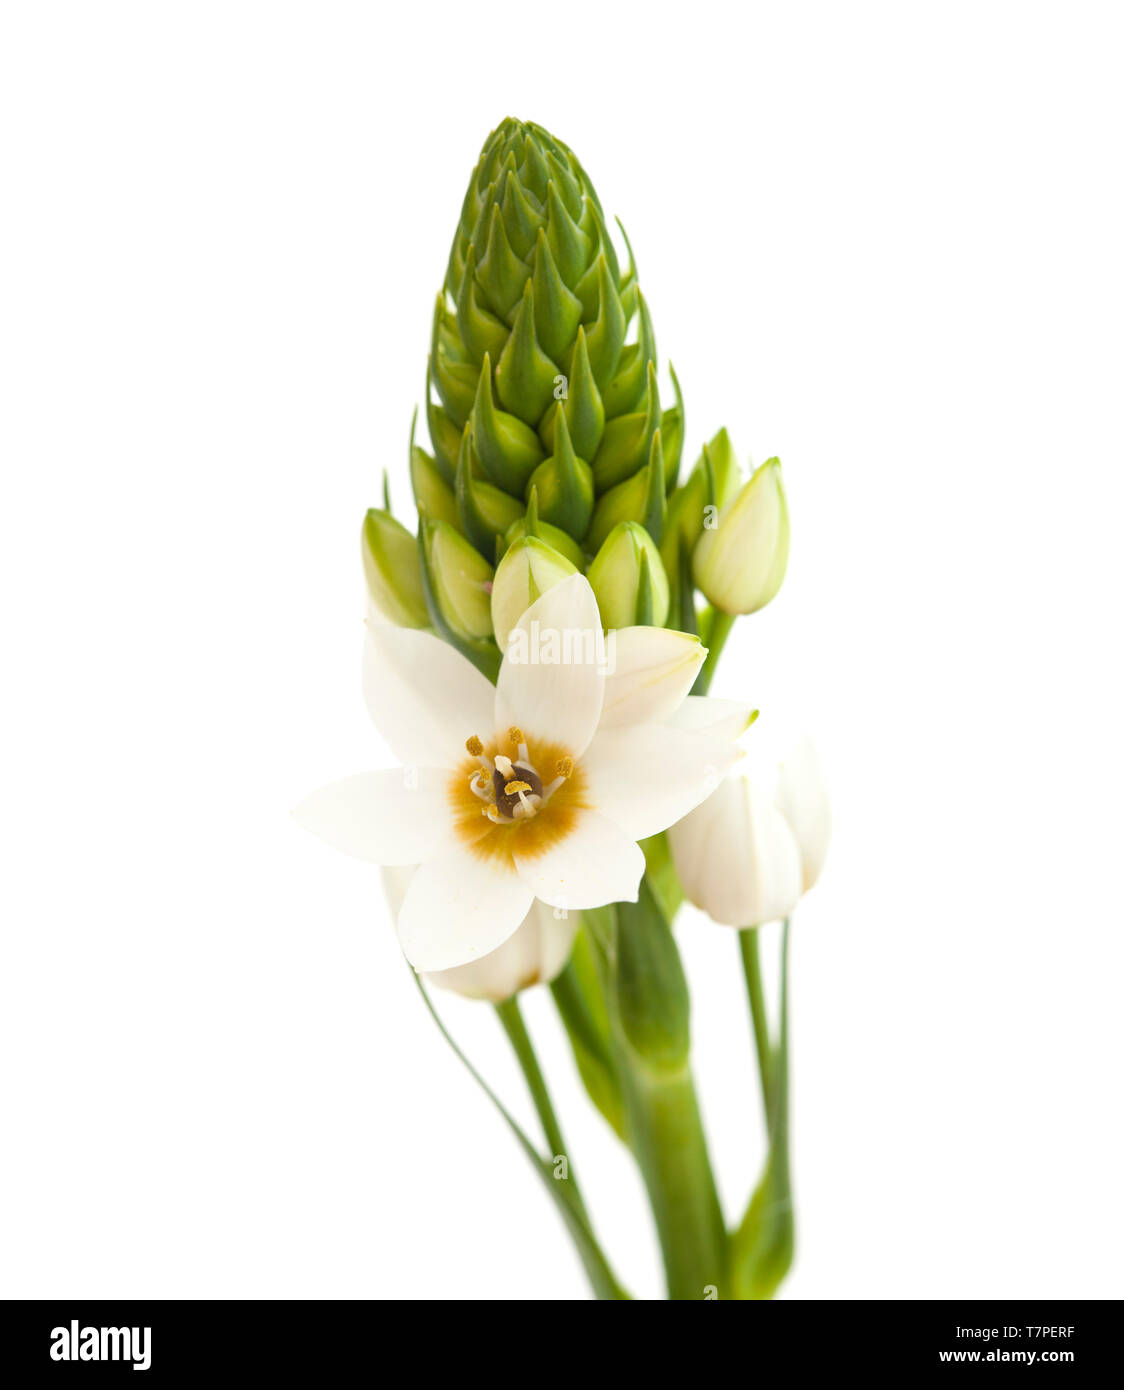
[(628, 579), (528, 569), (460, 580), (553, 535), (740, 563), (392, 570)]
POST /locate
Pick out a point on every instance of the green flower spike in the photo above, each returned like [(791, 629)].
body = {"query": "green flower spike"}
[(537, 325)]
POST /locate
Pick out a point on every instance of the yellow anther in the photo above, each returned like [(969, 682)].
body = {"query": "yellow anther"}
[(512, 787), (515, 736), (474, 746), (564, 767)]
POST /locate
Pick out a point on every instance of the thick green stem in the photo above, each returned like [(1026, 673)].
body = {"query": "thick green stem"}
[(751, 963), (649, 1032), (720, 628), (666, 1135)]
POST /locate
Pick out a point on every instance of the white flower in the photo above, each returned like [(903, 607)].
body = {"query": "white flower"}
[(534, 954), (536, 788), (750, 851)]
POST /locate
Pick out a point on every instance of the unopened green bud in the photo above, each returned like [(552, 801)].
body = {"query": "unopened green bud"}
[(739, 563), (628, 580), (528, 569), (627, 440), (719, 457), (564, 483), (640, 498), (461, 581), (553, 535), (435, 499), (392, 570), (711, 483), (484, 512)]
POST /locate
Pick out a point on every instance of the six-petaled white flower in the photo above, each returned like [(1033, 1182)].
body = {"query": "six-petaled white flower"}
[(536, 788)]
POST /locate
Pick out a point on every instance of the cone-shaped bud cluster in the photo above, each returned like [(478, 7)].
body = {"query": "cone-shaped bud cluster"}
[(542, 380), (550, 448)]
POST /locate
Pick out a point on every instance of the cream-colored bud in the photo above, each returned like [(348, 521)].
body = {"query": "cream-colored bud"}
[(740, 562), (528, 569)]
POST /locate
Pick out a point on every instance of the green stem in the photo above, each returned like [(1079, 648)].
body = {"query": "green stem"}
[(666, 1135), (649, 1031), (511, 1017), (779, 1124), (601, 1277), (720, 628), (761, 1250), (751, 963)]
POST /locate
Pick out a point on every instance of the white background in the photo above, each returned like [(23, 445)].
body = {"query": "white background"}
[(882, 241)]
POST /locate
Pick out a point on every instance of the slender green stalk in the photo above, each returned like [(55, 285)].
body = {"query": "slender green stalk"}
[(720, 628), (751, 963), (779, 1124), (601, 1277), (761, 1250), (511, 1016)]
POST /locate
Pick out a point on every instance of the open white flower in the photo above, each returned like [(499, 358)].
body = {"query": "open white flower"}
[(752, 849), (534, 954), (523, 791)]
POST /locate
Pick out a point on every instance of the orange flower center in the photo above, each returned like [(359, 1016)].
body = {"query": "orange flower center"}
[(515, 796)]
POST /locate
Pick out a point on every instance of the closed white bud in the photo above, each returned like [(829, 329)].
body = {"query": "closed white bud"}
[(528, 569), (751, 850), (740, 563)]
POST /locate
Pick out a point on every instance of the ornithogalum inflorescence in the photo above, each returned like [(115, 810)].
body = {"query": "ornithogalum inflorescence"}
[(553, 807)]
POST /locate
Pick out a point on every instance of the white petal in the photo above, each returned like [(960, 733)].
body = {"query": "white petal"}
[(649, 671), (647, 777), (534, 954), (425, 698), (736, 857), (395, 880), (557, 929), (457, 909), (706, 714), (552, 679), (399, 816), (803, 801), (596, 863)]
